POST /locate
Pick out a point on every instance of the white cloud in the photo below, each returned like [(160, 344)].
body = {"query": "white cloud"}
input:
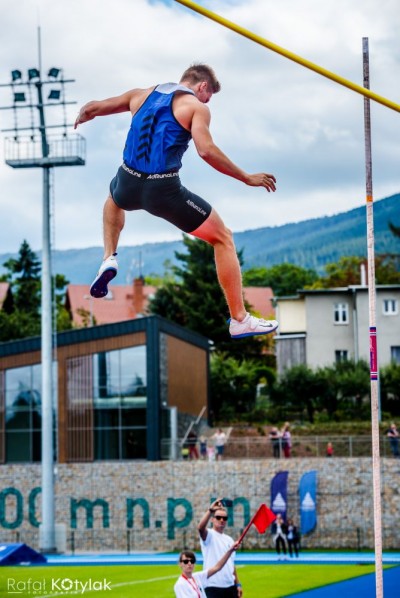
[(271, 114)]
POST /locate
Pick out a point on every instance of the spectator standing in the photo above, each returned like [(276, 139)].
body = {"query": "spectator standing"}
[(393, 435), (329, 449), (219, 440), (293, 539), (192, 445), (279, 531), (275, 438), (286, 440), (203, 447)]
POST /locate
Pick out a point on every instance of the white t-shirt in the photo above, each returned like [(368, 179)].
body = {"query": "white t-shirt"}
[(191, 588), (220, 438), (213, 549)]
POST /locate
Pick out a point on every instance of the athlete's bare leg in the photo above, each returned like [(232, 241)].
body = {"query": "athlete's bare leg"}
[(113, 223), (214, 231)]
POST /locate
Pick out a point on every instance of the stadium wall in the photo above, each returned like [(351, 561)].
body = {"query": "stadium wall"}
[(148, 506)]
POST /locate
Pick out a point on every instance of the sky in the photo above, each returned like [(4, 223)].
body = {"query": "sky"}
[(272, 115)]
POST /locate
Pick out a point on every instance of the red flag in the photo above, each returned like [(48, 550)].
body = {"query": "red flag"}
[(263, 518)]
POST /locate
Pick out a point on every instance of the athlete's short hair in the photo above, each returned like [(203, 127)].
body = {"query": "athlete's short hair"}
[(202, 72)]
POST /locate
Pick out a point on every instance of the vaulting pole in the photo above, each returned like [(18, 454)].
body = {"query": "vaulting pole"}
[(287, 54), (374, 370)]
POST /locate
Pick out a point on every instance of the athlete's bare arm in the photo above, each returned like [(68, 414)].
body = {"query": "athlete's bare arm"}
[(211, 154), (128, 101)]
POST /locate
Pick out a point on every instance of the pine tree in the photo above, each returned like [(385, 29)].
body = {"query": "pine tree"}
[(195, 300), (23, 319)]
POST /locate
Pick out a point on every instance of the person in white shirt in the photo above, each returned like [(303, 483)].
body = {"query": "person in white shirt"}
[(192, 585), (219, 441), (214, 544)]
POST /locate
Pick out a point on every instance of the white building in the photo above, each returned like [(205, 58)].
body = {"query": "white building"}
[(320, 327)]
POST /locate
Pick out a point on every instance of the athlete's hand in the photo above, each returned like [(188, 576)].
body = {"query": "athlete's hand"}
[(262, 180)]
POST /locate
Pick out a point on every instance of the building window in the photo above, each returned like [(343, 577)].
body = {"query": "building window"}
[(120, 404), (390, 307), (341, 355), (395, 354), (107, 406), (23, 414), (341, 313)]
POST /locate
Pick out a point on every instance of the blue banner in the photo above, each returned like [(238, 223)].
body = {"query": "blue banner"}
[(279, 493), (308, 501)]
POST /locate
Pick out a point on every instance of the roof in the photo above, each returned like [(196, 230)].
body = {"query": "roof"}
[(350, 289), (260, 298), (117, 306), (151, 325)]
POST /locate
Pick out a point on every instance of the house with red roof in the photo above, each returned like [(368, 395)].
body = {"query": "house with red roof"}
[(123, 302), (127, 302)]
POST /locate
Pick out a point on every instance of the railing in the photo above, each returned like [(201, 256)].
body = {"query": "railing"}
[(62, 150), (248, 447)]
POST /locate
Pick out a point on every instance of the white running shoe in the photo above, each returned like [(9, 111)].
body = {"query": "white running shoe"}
[(251, 326), (108, 270)]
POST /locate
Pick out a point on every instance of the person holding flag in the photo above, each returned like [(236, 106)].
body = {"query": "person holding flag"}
[(214, 544), (213, 540), (192, 585)]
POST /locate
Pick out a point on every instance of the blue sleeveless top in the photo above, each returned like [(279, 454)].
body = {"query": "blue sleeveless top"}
[(156, 141)]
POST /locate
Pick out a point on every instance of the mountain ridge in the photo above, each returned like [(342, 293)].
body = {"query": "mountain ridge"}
[(310, 243)]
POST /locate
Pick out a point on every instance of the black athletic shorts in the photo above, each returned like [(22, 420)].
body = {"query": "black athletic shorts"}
[(162, 195)]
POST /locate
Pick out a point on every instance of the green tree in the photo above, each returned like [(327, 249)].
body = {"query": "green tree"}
[(234, 384), (24, 277), (353, 385), (284, 279), (195, 300), (387, 269), (340, 391), (347, 272), (23, 319), (390, 388), (297, 391), (394, 229)]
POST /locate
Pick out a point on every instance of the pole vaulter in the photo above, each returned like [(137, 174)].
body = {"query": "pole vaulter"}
[(290, 55)]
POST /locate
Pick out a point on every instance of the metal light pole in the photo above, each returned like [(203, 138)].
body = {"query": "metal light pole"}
[(61, 149)]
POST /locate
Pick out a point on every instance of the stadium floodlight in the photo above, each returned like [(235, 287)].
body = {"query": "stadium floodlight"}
[(16, 75), (19, 96), (54, 94), (53, 72), (33, 74), (28, 153)]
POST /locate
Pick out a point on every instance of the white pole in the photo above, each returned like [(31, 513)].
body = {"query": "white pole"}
[(48, 521), (376, 465), (47, 532)]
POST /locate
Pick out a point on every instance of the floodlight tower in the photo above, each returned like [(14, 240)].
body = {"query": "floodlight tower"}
[(36, 149)]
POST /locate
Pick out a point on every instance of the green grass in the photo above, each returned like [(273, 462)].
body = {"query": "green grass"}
[(147, 581)]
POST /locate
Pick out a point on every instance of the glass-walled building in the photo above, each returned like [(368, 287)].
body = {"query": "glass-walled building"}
[(115, 387)]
